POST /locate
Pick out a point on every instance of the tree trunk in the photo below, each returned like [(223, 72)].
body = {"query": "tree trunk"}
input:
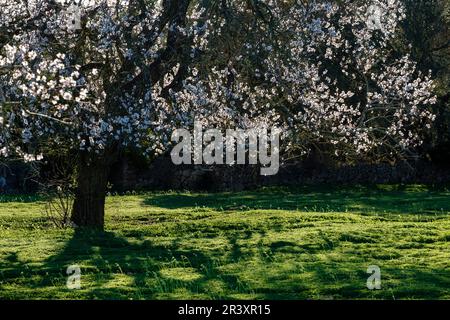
[(92, 179)]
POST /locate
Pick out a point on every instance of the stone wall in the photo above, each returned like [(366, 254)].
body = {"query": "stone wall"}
[(163, 175)]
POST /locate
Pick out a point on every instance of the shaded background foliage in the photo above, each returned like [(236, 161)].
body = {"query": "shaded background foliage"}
[(427, 29)]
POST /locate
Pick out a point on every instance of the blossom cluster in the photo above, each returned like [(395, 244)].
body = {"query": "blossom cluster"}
[(139, 69)]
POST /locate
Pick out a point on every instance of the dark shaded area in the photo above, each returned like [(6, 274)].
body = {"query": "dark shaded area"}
[(18, 177), (162, 174), (427, 29), (134, 174)]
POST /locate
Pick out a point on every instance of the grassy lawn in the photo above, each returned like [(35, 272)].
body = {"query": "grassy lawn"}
[(304, 243)]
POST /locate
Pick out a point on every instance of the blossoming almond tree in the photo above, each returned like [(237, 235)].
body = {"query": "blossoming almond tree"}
[(326, 72), (345, 84), (134, 70), (88, 89)]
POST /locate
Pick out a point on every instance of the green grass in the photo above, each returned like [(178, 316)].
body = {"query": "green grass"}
[(304, 243)]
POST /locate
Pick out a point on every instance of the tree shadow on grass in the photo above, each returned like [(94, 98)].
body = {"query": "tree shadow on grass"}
[(375, 199), (114, 267), (105, 257)]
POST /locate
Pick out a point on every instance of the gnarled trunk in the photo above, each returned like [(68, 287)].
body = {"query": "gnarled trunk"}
[(92, 179)]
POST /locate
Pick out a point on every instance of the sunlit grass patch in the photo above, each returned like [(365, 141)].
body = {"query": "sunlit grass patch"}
[(273, 243)]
